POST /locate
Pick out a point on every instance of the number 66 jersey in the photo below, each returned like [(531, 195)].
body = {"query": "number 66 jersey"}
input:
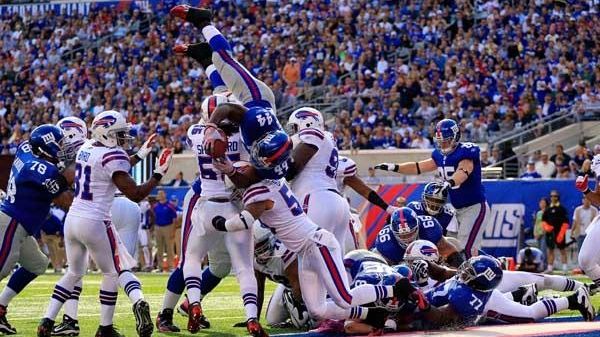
[(94, 188)]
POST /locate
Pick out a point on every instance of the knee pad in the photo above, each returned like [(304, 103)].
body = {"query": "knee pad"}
[(586, 261), (220, 269), (38, 266)]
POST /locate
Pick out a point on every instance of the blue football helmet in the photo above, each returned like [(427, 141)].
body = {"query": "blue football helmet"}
[(405, 226), (353, 260), (47, 140), (482, 273), (447, 135), (271, 150), (434, 198)]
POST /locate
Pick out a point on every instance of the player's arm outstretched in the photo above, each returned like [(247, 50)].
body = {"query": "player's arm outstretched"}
[(144, 150), (582, 183), (137, 193), (245, 219), (359, 186), (260, 291)]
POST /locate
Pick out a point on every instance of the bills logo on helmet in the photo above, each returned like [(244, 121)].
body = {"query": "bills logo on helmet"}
[(106, 121), (71, 125), (304, 114), (428, 251)]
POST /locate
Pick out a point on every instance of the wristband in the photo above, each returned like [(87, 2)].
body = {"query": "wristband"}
[(138, 157), (587, 191), (376, 200), (157, 176), (396, 168), (452, 182), (418, 168)]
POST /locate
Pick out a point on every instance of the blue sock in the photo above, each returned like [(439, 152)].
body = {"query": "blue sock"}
[(209, 282), (176, 284), (216, 80), (218, 42), (20, 279)]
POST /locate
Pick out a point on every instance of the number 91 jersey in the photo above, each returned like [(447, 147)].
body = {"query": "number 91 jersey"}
[(94, 187), (320, 171), (387, 245), (213, 181), (470, 192), (285, 219)]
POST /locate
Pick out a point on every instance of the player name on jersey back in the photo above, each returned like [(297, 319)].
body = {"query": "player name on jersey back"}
[(212, 180), (94, 187), (320, 171)]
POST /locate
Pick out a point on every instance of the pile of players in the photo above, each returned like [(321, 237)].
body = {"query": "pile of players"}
[(243, 213)]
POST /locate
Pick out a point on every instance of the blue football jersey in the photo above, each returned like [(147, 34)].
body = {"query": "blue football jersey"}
[(22, 156), (444, 217), (379, 274), (387, 245), (30, 192), (464, 300), (470, 192)]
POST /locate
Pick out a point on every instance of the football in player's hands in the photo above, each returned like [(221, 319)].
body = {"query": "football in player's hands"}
[(215, 141)]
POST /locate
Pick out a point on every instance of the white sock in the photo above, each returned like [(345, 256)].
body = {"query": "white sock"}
[(209, 32)]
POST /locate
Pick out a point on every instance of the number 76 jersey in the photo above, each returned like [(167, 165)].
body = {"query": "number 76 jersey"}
[(94, 187)]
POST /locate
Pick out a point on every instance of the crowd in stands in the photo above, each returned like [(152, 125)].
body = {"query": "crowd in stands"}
[(394, 67)]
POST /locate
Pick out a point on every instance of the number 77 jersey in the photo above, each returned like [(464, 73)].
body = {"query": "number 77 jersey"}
[(94, 187)]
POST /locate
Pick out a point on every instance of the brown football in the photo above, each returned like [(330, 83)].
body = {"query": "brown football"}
[(216, 139)]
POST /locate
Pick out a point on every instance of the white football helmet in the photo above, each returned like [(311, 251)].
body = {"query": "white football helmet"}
[(76, 133), (263, 244), (422, 250), (305, 118), (211, 102), (111, 129)]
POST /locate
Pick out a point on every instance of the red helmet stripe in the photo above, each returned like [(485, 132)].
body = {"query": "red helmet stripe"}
[(279, 152)]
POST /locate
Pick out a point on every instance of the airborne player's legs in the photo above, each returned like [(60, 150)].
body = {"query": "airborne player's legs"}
[(589, 255), (245, 87)]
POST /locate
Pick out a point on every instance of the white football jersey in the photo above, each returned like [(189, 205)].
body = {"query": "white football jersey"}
[(144, 208), (125, 214), (346, 168), (286, 218), (320, 171), (213, 181), (596, 165), (275, 267), (94, 188)]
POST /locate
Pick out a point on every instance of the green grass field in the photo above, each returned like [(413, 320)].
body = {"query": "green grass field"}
[(223, 307)]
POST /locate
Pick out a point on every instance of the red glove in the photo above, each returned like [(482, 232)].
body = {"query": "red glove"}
[(582, 184)]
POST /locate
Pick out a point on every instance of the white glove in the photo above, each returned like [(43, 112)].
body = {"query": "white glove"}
[(386, 167), (595, 167), (146, 148), (420, 270), (163, 161), (445, 186), (224, 165)]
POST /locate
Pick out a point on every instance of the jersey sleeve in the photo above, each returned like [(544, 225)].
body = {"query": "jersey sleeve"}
[(437, 157), (115, 161), (257, 193), (469, 151), (346, 167), (311, 136)]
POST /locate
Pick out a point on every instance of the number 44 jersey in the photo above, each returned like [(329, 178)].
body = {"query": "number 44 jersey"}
[(320, 171), (94, 188)]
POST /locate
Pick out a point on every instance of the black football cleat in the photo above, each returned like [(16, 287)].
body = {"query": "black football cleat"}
[(164, 322), (68, 327), (45, 328), (199, 17), (143, 321), (5, 327), (201, 52), (108, 331)]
